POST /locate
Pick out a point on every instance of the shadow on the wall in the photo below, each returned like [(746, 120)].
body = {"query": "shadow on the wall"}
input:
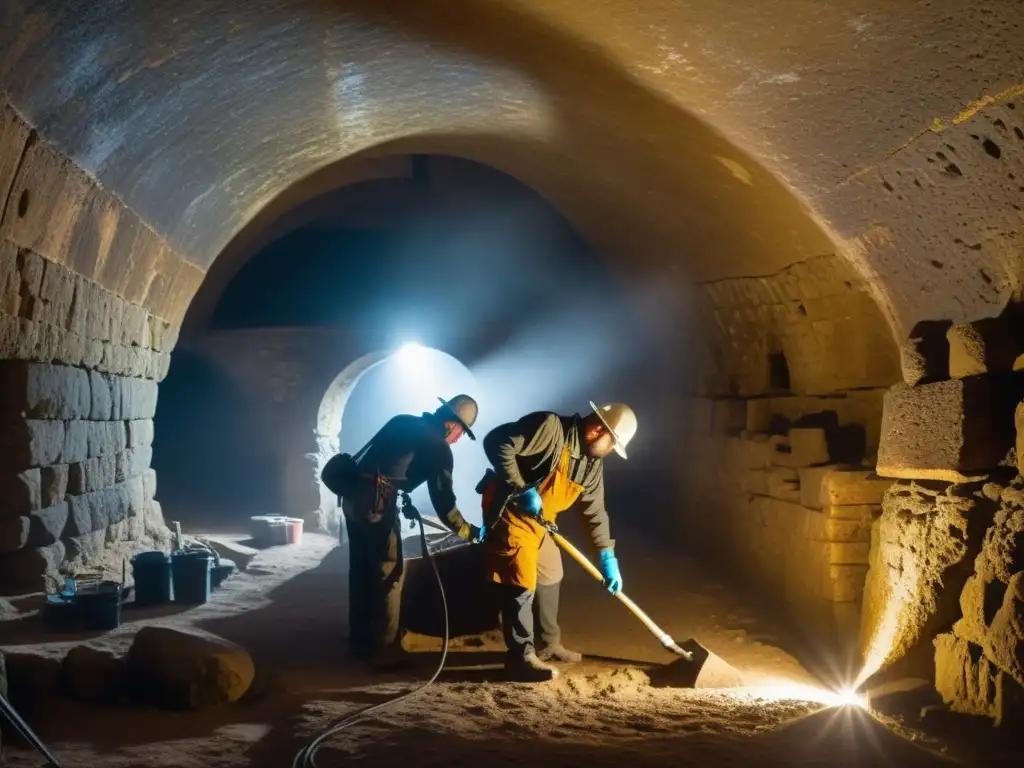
[(212, 468)]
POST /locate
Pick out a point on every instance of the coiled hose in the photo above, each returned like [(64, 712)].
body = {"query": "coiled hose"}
[(306, 757)]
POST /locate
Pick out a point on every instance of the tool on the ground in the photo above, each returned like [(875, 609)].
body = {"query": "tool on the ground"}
[(306, 757), (696, 667), (10, 714)]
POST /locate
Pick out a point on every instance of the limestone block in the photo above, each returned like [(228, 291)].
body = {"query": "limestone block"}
[(47, 525), (759, 451), (98, 321), (43, 391), (925, 355), (728, 416), (138, 399), (806, 447), (149, 484), (812, 492), (971, 684), (14, 533), (10, 280), (140, 433), (927, 539), (25, 569), (87, 550), (951, 430), (91, 475), (57, 293), (49, 189), (14, 134), (106, 438), (134, 328), (54, 484), (187, 670), (31, 443), (852, 487), (20, 492), (97, 510), (755, 481), (101, 403), (135, 495), (1005, 641), (93, 676), (76, 442), (784, 484), (984, 346), (759, 415), (821, 526)]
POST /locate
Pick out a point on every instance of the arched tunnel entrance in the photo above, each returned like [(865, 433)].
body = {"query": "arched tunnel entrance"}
[(805, 282)]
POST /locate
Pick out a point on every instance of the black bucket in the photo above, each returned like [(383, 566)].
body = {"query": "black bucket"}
[(191, 573), (152, 572), (101, 606)]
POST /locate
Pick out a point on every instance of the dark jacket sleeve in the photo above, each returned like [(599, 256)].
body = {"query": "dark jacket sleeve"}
[(536, 433), (442, 492), (593, 512)]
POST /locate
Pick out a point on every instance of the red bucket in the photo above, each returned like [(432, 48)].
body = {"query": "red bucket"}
[(293, 530)]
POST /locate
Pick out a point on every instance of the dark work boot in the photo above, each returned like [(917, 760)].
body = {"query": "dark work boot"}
[(550, 642), (529, 669)]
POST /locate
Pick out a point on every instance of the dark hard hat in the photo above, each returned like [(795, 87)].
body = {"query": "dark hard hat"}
[(462, 409)]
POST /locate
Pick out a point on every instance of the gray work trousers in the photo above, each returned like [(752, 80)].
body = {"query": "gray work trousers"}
[(376, 573), (521, 608)]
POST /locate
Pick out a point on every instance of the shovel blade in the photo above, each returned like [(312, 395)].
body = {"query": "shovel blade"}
[(705, 670)]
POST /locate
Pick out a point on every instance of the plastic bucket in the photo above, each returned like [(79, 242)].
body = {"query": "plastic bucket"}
[(294, 530), (190, 572), (101, 608), (152, 572)]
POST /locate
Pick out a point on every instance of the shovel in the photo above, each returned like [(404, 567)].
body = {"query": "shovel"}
[(696, 667)]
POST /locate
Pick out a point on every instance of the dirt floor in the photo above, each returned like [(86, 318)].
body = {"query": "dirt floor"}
[(288, 610)]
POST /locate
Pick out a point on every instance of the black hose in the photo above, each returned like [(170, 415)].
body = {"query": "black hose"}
[(306, 757)]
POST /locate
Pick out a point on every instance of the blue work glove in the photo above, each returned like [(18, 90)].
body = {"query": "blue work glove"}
[(529, 502), (610, 571)]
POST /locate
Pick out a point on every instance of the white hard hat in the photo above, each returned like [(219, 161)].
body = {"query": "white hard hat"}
[(620, 421)]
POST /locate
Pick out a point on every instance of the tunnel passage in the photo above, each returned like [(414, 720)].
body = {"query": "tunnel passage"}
[(138, 140)]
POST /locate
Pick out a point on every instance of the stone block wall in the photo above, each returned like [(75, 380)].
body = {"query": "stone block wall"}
[(90, 304), (813, 328), (765, 491), (944, 595)]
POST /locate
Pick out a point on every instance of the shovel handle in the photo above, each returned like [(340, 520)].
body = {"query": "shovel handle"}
[(663, 637)]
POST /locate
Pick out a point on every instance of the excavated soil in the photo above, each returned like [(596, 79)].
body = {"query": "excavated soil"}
[(288, 610)]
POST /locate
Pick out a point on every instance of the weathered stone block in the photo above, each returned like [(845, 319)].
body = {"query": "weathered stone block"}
[(925, 542), (784, 484), (925, 356), (811, 491), (76, 442), (13, 533), (106, 438), (20, 492), (759, 451), (101, 406), (950, 430), (93, 676), (10, 279), (806, 447), (138, 399), (31, 443), (755, 481), (140, 433), (842, 487), (43, 391), (14, 134), (759, 415), (84, 477), (984, 346), (1005, 641), (47, 525), (821, 526), (149, 484), (971, 684), (57, 293), (54, 484), (25, 569)]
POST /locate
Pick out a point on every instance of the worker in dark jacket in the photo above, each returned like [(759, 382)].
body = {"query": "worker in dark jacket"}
[(545, 464), (407, 452)]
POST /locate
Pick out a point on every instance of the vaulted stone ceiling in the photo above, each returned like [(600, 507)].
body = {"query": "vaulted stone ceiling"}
[(732, 139)]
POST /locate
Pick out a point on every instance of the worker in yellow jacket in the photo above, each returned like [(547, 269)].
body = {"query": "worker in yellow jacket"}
[(545, 464)]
